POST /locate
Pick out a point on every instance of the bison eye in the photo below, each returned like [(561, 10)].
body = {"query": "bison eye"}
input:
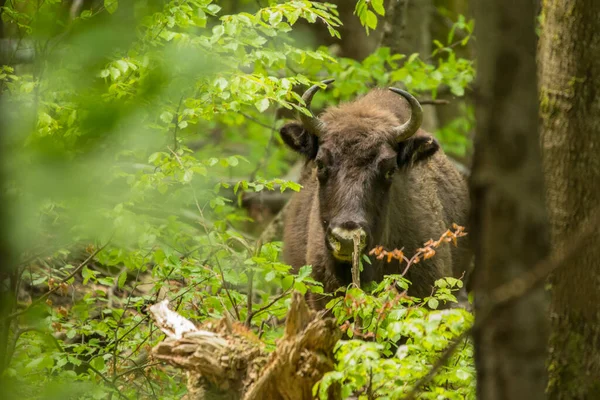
[(321, 170), (390, 174)]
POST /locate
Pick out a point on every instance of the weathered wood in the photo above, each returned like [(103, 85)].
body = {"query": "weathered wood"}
[(225, 360)]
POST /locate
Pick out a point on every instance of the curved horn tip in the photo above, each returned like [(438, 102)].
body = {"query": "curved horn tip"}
[(400, 92), (409, 97), (328, 81), (411, 126)]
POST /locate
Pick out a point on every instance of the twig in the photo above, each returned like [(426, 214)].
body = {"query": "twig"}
[(57, 285), (252, 314), (137, 367), (358, 323), (438, 102), (271, 128), (250, 286), (175, 144), (356, 260)]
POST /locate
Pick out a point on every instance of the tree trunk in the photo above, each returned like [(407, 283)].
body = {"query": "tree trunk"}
[(508, 219), (570, 99), (8, 271)]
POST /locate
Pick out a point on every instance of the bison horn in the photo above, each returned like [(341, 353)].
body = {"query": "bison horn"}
[(312, 123), (411, 126)]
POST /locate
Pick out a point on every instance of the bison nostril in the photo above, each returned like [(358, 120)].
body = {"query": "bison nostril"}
[(350, 226)]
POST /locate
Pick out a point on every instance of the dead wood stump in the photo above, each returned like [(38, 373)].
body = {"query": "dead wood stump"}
[(226, 361)]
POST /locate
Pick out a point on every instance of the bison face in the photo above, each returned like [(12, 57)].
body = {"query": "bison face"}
[(357, 150), (355, 170)]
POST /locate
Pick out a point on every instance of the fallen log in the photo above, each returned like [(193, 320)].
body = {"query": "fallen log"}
[(224, 360)]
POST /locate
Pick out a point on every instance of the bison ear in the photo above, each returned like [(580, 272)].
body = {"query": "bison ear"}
[(416, 150), (299, 139)]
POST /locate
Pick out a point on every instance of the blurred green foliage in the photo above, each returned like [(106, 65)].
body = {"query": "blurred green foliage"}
[(131, 134)]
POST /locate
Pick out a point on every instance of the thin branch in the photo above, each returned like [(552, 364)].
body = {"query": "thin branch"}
[(267, 154), (252, 314), (271, 128), (175, 144), (438, 102), (136, 368), (251, 286)]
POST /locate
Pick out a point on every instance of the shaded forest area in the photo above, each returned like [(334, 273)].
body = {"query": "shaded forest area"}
[(212, 199)]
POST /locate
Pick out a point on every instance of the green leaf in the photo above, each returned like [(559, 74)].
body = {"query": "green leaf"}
[(262, 104), (122, 279), (304, 272), (114, 73), (187, 176), (275, 18), (462, 374), (122, 65), (270, 276), (166, 117), (213, 8), (218, 31), (378, 7), (371, 19), (233, 161), (87, 274), (221, 83), (44, 361), (111, 5), (98, 363), (433, 303)]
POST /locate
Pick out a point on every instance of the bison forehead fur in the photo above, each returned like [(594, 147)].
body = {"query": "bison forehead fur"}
[(358, 177)]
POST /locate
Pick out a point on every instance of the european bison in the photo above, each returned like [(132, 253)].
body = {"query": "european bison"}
[(371, 170)]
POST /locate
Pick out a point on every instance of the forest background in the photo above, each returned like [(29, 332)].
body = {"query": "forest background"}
[(141, 161)]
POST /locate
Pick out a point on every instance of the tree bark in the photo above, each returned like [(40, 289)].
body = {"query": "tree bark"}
[(227, 362), (570, 104), (508, 219)]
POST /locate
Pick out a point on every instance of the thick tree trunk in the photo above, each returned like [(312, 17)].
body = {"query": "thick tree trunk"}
[(570, 99), (508, 219)]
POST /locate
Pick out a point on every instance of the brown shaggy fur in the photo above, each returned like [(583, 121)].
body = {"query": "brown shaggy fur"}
[(425, 195)]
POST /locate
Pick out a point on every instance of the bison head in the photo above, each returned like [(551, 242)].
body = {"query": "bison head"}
[(358, 151)]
